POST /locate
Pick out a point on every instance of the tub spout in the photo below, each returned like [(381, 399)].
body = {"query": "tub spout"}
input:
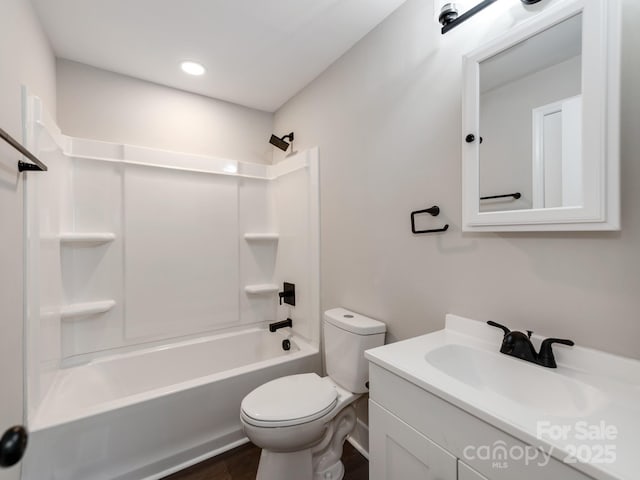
[(284, 323)]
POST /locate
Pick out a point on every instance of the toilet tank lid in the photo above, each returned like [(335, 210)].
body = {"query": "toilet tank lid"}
[(354, 322)]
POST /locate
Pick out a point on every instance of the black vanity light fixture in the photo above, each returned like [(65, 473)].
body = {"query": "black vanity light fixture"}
[(450, 19), (281, 142)]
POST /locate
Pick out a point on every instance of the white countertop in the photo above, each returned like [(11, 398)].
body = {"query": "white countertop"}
[(593, 396)]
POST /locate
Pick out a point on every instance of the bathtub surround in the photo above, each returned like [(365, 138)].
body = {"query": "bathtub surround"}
[(147, 236), (388, 117), (137, 112)]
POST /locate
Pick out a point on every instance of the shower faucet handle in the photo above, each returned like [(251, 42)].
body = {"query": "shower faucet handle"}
[(288, 294)]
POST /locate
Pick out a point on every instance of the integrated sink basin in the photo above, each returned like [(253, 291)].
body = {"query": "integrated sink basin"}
[(529, 385)]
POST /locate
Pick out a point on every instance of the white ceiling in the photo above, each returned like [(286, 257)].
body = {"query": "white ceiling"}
[(258, 53)]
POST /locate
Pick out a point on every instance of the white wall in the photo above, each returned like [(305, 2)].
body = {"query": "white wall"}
[(101, 105), (25, 58), (387, 118)]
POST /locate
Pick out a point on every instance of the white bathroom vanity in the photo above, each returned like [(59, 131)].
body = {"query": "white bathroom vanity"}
[(448, 405)]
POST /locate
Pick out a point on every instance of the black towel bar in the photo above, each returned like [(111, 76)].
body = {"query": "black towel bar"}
[(37, 165)]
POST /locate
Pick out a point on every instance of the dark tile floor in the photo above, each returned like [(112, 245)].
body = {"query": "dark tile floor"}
[(242, 464)]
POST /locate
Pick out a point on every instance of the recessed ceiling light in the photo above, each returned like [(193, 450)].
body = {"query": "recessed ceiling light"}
[(192, 68)]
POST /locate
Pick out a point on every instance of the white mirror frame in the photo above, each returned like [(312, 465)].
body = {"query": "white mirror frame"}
[(600, 125)]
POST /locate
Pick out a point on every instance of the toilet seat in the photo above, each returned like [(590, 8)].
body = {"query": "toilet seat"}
[(288, 401)]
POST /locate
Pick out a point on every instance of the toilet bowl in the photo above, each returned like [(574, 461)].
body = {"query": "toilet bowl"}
[(301, 421), (291, 442)]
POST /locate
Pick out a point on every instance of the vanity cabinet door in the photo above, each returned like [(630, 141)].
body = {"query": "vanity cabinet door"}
[(465, 472), (397, 451)]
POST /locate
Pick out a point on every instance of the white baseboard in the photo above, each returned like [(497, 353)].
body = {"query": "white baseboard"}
[(359, 438)]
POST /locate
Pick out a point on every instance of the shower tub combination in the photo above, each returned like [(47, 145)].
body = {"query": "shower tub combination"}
[(147, 414), (131, 246)]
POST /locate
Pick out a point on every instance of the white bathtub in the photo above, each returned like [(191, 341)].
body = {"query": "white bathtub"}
[(147, 414)]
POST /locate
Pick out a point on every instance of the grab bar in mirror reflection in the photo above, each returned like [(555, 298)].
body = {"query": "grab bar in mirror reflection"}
[(516, 196)]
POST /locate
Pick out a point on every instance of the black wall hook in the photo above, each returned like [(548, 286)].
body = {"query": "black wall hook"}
[(433, 211)]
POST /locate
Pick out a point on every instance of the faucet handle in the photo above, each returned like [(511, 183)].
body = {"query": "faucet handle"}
[(288, 294), (548, 341), (546, 357), (494, 324)]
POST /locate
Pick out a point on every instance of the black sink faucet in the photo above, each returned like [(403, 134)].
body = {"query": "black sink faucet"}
[(518, 344)]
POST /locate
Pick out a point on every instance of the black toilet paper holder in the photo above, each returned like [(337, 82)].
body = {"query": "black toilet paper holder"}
[(434, 212)]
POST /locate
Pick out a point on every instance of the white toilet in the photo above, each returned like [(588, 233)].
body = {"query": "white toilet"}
[(302, 421)]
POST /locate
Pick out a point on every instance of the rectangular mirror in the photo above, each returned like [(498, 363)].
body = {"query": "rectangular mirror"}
[(541, 114)]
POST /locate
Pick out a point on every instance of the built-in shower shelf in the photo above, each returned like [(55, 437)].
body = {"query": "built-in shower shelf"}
[(96, 238), (261, 237), (262, 289), (76, 310)]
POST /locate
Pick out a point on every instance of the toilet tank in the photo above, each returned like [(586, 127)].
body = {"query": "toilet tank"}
[(346, 336)]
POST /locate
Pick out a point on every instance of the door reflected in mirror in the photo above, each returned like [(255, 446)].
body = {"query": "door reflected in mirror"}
[(531, 122)]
